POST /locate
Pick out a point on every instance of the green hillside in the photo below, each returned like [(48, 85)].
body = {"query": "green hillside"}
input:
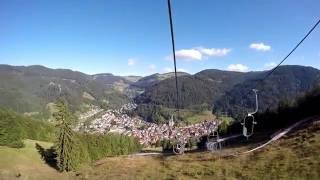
[(29, 89), (33, 89), (14, 128), (285, 85), (294, 157), (225, 91), (153, 79), (26, 163)]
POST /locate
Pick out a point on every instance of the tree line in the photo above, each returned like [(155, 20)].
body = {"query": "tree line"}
[(286, 113), (70, 148), (14, 128)]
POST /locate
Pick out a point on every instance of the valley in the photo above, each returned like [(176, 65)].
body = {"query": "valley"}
[(168, 89), (143, 121), (117, 121), (32, 89)]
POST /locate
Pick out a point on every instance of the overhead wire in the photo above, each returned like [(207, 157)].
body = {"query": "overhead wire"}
[(269, 73), (174, 58), (295, 47), (260, 81)]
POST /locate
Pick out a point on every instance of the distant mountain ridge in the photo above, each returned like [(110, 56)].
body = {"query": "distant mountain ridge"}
[(226, 91), (284, 85), (147, 81), (33, 88)]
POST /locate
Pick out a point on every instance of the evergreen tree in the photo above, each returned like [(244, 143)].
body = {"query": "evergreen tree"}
[(64, 141)]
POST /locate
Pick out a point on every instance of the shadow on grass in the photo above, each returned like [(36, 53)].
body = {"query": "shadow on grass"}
[(48, 155)]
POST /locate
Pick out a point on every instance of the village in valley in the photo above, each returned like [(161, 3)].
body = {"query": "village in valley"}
[(118, 121)]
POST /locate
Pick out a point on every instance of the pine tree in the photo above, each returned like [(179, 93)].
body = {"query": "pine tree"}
[(64, 141)]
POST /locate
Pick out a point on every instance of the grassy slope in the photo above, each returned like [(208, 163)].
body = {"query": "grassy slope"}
[(191, 117), (199, 117), (294, 157), (26, 163)]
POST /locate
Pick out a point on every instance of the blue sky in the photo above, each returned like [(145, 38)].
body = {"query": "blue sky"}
[(131, 37)]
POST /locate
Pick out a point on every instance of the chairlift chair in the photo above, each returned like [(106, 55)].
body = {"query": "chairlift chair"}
[(213, 141), (179, 146), (250, 118)]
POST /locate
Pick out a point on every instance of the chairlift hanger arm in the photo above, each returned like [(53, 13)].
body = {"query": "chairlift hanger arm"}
[(257, 102)]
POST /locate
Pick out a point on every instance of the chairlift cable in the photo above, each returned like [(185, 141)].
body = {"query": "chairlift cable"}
[(259, 81), (174, 58), (289, 54), (245, 133), (286, 57)]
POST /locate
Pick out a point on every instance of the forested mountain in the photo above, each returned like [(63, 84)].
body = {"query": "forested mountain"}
[(14, 128), (231, 91), (196, 89), (132, 78), (153, 79), (115, 82), (284, 85), (33, 88), (138, 87)]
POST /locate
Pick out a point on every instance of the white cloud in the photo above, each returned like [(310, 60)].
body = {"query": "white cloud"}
[(260, 47), (213, 52), (270, 65), (238, 67), (131, 61), (198, 53), (152, 67), (167, 69), (189, 54)]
